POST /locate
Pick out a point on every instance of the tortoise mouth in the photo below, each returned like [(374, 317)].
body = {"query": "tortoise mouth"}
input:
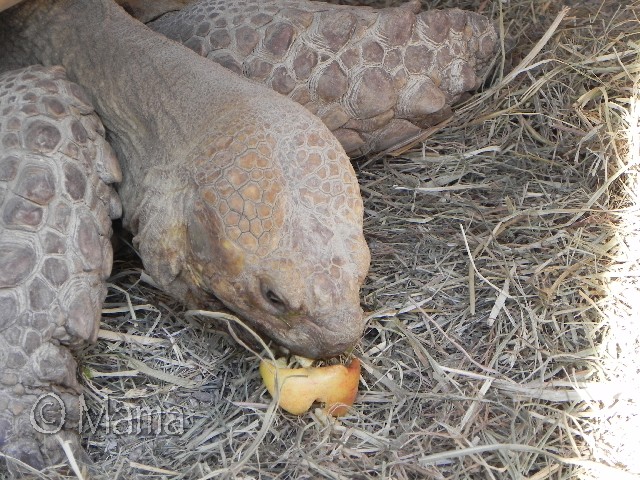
[(315, 346), (313, 337)]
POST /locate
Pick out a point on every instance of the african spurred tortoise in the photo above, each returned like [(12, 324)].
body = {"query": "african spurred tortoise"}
[(230, 189)]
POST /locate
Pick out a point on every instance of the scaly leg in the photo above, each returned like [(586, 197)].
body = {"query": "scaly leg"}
[(55, 255), (376, 77)]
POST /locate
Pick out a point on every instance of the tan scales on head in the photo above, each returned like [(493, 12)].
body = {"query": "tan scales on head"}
[(276, 233), (244, 193)]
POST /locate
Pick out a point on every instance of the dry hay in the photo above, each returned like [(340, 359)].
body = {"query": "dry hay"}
[(501, 295)]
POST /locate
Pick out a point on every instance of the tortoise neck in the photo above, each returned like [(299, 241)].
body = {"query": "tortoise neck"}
[(156, 98), (115, 59), (162, 104)]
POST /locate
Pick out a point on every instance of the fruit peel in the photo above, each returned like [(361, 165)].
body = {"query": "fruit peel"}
[(334, 385)]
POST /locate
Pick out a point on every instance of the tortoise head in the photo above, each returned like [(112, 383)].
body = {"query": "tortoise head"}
[(276, 234), (274, 230)]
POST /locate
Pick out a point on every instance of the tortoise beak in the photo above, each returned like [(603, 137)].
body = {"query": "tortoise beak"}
[(325, 337)]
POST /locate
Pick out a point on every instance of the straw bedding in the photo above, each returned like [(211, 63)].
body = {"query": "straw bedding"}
[(502, 296)]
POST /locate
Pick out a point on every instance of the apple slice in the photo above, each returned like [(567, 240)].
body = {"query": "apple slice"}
[(334, 385)]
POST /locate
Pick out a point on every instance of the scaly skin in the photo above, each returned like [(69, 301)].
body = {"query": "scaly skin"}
[(375, 77), (229, 188), (55, 254)]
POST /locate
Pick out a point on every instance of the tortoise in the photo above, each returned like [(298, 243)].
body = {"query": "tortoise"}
[(230, 189), (375, 77)]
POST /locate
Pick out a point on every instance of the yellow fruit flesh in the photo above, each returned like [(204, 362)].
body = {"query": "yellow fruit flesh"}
[(335, 385)]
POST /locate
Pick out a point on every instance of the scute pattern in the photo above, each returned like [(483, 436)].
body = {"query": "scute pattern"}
[(301, 233), (244, 189), (327, 189), (375, 77), (55, 252), (326, 212), (258, 182)]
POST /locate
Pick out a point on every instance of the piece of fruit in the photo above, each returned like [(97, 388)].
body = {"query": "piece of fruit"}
[(334, 385)]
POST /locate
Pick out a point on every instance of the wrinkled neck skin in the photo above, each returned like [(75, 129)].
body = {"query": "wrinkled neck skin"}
[(229, 188), (138, 81)]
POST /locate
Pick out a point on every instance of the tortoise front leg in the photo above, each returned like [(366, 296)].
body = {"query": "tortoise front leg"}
[(55, 255), (376, 77)]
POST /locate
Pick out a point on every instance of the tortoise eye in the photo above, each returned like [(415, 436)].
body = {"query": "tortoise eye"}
[(272, 298)]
